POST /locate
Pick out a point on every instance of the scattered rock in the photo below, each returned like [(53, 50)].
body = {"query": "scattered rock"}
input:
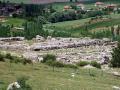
[(31, 56), (88, 67), (116, 74), (116, 88)]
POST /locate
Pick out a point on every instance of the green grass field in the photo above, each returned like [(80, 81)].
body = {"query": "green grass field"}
[(41, 77), (75, 27), (14, 21), (69, 24)]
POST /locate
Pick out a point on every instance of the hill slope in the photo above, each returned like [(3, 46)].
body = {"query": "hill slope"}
[(42, 77)]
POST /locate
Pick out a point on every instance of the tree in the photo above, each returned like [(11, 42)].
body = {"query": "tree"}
[(33, 28), (115, 62)]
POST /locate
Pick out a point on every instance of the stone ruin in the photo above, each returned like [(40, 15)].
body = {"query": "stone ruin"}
[(55, 43), (67, 50)]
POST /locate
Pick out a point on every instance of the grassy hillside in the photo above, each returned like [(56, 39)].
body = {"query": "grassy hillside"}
[(14, 21), (76, 27), (42, 77), (68, 24)]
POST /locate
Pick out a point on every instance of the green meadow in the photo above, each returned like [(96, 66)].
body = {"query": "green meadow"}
[(42, 77)]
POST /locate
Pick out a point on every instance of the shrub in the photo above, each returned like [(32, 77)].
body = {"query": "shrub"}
[(95, 64), (15, 59), (63, 16), (55, 63), (26, 61), (2, 57), (71, 66), (49, 57), (82, 63), (22, 81), (58, 64), (8, 56), (115, 62)]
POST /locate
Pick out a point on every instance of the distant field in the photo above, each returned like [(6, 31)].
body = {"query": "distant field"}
[(67, 25), (14, 21), (76, 26), (18, 1), (41, 77)]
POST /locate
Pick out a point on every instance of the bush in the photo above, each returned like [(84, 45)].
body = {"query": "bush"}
[(55, 63), (8, 56), (58, 64), (49, 57), (71, 66), (13, 59), (26, 61), (2, 57), (22, 82), (16, 59), (51, 61), (95, 64), (115, 62), (63, 16), (82, 63)]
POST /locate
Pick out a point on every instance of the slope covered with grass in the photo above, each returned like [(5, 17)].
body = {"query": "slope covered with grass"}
[(41, 77)]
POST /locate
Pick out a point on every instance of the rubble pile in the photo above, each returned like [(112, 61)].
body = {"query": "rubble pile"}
[(58, 43), (67, 50)]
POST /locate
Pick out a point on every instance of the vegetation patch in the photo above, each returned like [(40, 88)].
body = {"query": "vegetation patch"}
[(115, 62), (82, 63), (95, 64)]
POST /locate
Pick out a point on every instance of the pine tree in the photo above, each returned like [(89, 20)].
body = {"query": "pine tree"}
[(34, 28), (115, 62)]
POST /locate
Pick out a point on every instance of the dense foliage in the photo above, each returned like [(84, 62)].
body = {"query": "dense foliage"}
[(73, 14), (82, 63), (22, 81), (49, 57), (63, 16), (95, 64), (4, 30), (115, 62), (32, 29)]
